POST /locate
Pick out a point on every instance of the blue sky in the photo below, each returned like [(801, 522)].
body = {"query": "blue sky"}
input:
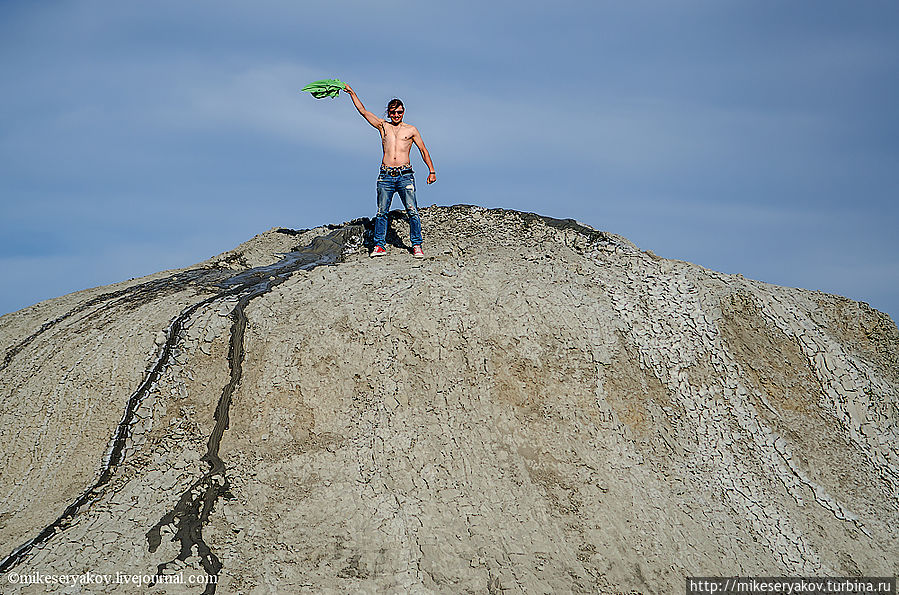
[(758, 137)]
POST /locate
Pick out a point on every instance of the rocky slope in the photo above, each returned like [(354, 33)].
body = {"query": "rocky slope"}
[(535, 407)]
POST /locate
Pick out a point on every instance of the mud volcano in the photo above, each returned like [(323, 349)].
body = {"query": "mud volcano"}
[(535, 407)]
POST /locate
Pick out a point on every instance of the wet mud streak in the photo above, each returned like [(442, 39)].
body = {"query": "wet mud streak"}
[(198, 501), (192, 511), (134, 295), (114, 455)]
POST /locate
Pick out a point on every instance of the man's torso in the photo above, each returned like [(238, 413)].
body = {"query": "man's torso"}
[(397, 142)]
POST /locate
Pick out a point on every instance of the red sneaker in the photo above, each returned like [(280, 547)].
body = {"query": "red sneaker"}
[(378, 251), (417, 252)]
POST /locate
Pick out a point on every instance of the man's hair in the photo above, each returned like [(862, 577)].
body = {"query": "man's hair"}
[(393, 104)]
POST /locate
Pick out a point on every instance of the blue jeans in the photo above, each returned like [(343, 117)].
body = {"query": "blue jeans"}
[(404, 185)]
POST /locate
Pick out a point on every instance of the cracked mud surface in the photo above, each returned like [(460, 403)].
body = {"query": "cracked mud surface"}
[(534, 407)]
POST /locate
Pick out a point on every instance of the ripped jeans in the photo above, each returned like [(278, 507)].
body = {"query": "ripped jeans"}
[(404, 185)]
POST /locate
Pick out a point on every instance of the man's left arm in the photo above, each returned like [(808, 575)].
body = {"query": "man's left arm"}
[(416, 138)]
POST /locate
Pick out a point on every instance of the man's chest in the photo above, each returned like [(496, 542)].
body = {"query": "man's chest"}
[(394, 136)]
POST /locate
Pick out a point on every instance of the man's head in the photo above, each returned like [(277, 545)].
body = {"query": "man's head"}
[(395, 111)]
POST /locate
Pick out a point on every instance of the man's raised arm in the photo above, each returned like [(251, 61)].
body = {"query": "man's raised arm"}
[(372, 119)]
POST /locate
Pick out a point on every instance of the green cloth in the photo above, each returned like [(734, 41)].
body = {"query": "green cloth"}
[(325, 88)]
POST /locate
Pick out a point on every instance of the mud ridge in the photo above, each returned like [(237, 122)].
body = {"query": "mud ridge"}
[(593, 235)]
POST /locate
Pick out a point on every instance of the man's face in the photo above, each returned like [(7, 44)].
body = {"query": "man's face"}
[(396, 114)]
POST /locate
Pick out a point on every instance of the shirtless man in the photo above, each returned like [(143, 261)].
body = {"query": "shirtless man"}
[(396, 174)]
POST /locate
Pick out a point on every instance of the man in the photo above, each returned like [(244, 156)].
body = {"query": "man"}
[(396, 175)]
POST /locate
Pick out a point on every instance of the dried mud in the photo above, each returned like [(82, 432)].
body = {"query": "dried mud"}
[(537, 406)]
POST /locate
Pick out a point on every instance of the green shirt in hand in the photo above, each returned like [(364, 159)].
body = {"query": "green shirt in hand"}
[(325, 88)]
